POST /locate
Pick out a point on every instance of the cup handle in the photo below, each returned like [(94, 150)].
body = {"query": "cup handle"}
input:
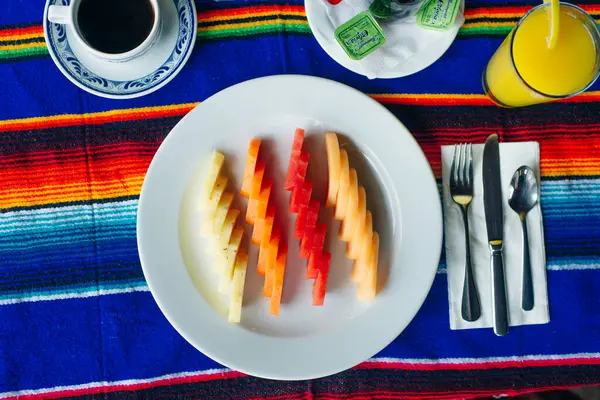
[(60, 14)]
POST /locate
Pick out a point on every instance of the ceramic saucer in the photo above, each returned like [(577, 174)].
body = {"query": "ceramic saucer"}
[(322, 28), (134, 78)]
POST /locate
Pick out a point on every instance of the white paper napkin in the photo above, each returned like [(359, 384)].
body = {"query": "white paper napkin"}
[(404, 38), (512, 156)]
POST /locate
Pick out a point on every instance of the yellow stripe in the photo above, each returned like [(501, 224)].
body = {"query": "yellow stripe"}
[(9, 47), (21, 37), (250, 15), (242, 25)]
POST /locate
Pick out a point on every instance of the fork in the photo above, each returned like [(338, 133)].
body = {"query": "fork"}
[(461, 190)]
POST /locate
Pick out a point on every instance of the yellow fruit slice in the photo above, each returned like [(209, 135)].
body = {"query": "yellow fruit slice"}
[(349, 223), (353, 247), (342, 198), (215, 164), (221, 213), (237, 287), (367, 288), (211, 208), (226, 264), (332, 148), (226, 230), (361, 264)]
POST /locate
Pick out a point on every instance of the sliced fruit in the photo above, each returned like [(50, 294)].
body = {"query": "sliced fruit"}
[(332, 148), (298, 139), (215, 164), (263, 199), (300, 196), (320, 286), (349, 223), (257, 179), (300, 222), (227, 263), (291, 172), (341, 204), (209, 212), (353, 247), (221, 213), (301, 169), (271, 262), (251, 159), (237, 287), (263, 253), (367, 288), (360, 265), (268, 226), (226, 231), (312, 270), (257, 231), (278, 280)]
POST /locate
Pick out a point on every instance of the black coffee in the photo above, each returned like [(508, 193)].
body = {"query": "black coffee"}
[(115, 26)]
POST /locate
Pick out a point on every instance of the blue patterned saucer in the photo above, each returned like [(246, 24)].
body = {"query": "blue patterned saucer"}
[(134, 78)]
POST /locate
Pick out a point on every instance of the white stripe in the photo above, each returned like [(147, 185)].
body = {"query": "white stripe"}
[(127, 382), (485, 360), (552, 267), (132, 382), (73, 295)]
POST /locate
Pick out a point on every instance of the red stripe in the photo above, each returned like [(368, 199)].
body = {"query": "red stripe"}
[(21, 31), (249, 10)]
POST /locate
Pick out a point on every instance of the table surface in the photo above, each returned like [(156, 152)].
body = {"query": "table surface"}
[(76, 316)]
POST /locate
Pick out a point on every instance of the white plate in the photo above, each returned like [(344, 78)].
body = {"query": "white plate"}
[(323, 30), (304, 341), (125, 80)]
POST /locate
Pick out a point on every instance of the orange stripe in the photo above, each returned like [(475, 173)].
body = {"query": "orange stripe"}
[(248, 11)]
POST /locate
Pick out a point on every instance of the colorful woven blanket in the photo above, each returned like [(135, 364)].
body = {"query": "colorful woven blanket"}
[(76, 316)]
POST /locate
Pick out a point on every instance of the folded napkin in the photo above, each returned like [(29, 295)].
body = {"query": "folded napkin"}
[(512, 156), (404, 38)]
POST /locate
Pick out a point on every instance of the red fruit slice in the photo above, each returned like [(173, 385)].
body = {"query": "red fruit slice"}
[(294, 157), (301, 222), (314, 241), (278, 280), (311, 267), (310, 223), (300, 196), (320, 287), (301, 169), (251, 159)]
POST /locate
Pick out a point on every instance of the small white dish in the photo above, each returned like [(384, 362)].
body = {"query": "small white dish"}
[(304, 341), (161, 60), (323, 30)]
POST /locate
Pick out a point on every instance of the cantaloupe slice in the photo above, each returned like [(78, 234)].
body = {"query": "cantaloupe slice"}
[(332, 147), (349, 223), (271, 262), (360, 265), (353, 247), (367, 288), (237, 287), (341, 205), (257, 180), (278, 280), (251, 159), (213, 170)]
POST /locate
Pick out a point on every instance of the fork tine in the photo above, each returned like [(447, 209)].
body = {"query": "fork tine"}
[(453, 168), (470, 165), (461, 165)]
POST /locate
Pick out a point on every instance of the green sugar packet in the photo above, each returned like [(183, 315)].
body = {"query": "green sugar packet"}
[(438, 14), (360, 36)]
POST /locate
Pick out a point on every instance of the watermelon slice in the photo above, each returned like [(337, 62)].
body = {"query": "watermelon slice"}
[(294, 158), (323, 261), (300, 196), (314, 241)]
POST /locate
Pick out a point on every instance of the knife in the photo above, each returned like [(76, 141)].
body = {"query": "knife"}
[(492, 201)]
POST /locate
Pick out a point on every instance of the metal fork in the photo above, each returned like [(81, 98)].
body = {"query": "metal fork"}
[(461, 190)]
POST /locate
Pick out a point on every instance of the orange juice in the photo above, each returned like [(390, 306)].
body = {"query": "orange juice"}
[(525, 71)]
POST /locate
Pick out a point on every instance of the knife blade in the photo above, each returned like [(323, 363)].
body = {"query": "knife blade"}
[(492, 202)]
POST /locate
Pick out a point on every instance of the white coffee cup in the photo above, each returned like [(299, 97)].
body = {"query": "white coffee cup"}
[(67, 15)]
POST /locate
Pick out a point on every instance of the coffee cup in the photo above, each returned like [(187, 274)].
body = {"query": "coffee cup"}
[(111, 30)]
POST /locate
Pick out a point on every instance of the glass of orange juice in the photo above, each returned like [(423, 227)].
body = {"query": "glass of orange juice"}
[(525, 70)]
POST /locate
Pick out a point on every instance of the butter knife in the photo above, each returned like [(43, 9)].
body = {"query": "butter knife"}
[(492, 201)]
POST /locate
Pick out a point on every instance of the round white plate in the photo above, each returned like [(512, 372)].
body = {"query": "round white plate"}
[(323, 30), (138, 77), (304, 341)]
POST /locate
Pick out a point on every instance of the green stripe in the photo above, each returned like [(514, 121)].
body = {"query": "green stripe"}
[(228, 33), (21, 53), (485, 30)]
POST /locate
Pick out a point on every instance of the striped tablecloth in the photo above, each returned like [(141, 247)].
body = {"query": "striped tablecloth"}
[(76, 317)]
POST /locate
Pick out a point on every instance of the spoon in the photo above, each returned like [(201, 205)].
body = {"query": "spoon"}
[(523, 195)]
